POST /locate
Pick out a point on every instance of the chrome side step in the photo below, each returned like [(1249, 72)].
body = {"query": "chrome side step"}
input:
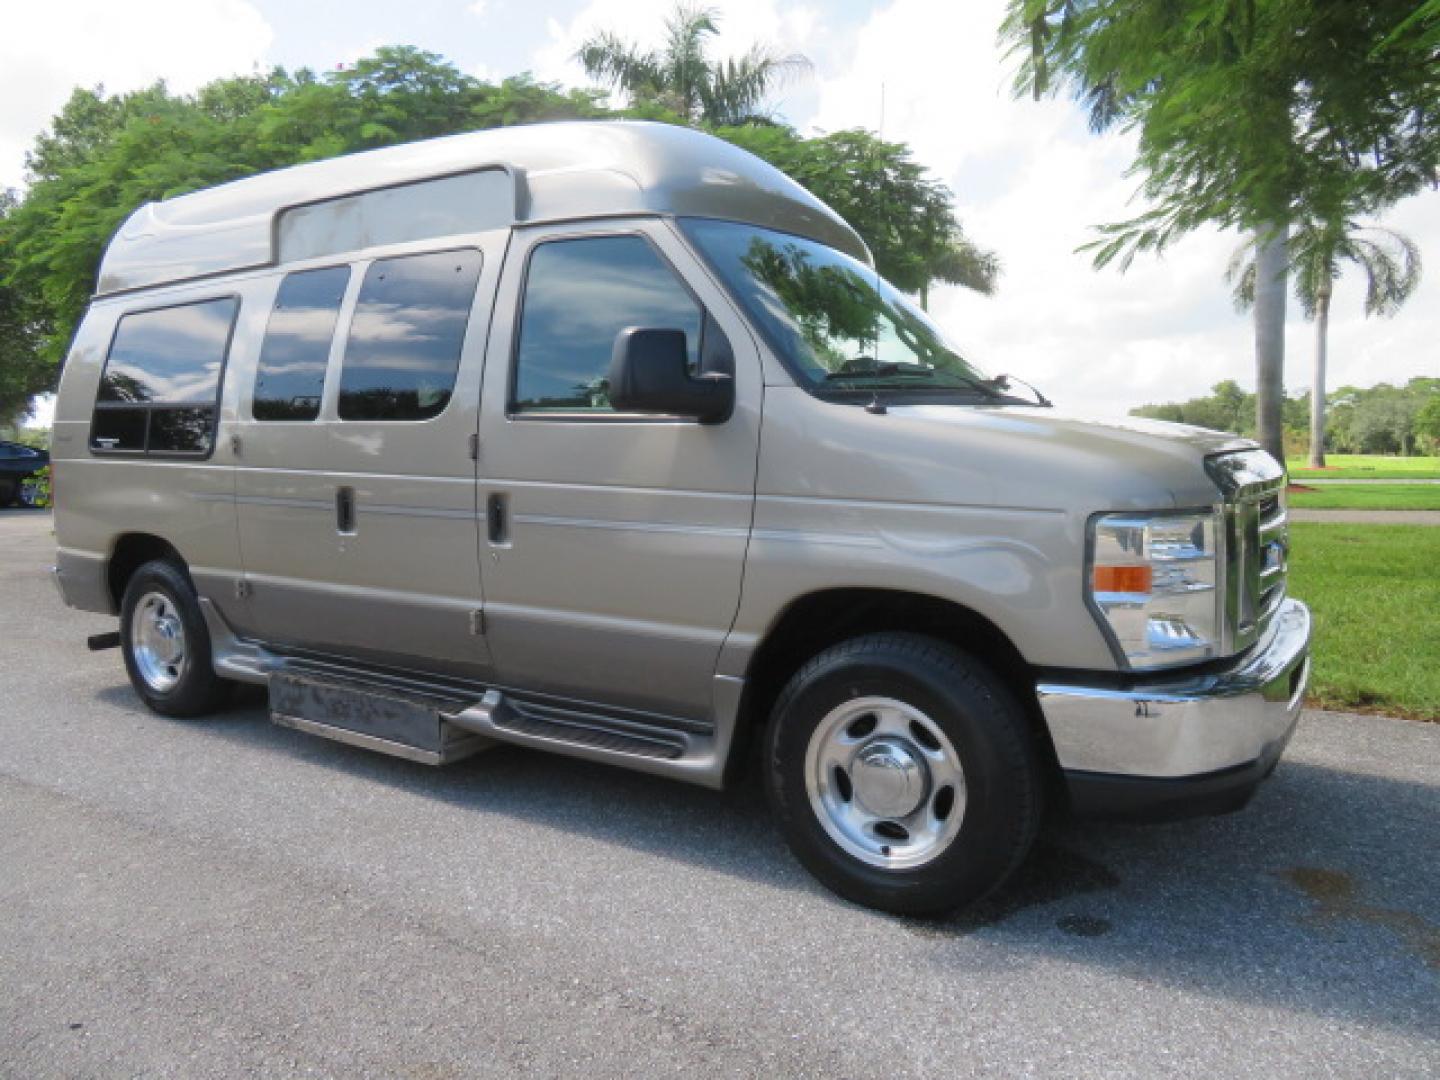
[(420, 727), (393, 723), (437, 720), (384, 746)]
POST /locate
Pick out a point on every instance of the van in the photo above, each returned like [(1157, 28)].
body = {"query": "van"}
[(607, 439)]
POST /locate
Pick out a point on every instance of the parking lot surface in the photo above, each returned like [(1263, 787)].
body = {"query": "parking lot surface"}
[(225, 897)]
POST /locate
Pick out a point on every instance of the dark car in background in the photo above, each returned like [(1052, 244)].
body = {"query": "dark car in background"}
[(18, 463)]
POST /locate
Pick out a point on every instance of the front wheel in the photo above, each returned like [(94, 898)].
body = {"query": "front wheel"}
[(902, 773), (167, 644)]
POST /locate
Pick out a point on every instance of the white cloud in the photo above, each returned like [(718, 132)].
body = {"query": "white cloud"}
[(1031, 182), (478, 8), (52, 46)]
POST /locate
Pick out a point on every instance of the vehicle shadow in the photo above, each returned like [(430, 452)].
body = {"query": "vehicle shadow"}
[(1315, 898)]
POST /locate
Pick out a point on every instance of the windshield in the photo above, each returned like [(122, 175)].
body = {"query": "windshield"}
[(836, 323)]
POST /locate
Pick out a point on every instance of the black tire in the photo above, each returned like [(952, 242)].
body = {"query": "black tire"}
[(989, 732), (197, 690), (8, 490)]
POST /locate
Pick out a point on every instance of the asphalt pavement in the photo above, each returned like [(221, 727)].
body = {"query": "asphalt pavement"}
[(227, 897)]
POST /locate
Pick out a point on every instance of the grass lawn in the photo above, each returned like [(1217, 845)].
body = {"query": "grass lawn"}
[(1375, 593), (1368, 497), (1367, 467)]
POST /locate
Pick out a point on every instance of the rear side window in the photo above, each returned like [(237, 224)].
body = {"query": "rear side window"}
[(160, 389), (291, 373), (406, 336), (580, 293)]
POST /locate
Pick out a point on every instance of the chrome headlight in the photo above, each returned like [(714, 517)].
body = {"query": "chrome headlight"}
[(1153, 583)]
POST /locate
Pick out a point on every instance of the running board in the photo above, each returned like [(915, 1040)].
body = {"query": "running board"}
[(433, 731), (553, 728), (436, 722)]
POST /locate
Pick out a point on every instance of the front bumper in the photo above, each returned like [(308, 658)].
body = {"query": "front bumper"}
[(1187, 744)]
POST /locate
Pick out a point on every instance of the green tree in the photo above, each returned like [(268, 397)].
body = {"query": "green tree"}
[(1250, 114), (86, 127), (1427, 420), (1380, 419), (23, 370), (405, 93), (103, 156), (681, 77), (1389, 261), (906, 218), (1383, 421), (1228, 408), (520, 99)]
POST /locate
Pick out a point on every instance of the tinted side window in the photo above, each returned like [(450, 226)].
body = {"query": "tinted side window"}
[(169, 355), (579, 294), (119, 429), (291, 373), (406, 336), (161, 384)]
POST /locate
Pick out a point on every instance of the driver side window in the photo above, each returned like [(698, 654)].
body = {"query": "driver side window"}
[(579, 293)]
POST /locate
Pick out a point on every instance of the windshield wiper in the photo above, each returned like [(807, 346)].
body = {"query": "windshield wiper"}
[(880, 371), (892, 368), (1002, 382)]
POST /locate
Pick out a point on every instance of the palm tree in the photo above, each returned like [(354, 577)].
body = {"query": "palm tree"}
[(681, 77), (1390, 261)]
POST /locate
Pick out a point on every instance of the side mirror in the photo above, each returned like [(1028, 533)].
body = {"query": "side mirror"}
[(649, 373)]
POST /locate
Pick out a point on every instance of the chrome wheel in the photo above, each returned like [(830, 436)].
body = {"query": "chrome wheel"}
[(157, 642), (885, 782)]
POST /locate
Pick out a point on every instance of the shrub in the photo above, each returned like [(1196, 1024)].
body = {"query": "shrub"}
[(42, 494)]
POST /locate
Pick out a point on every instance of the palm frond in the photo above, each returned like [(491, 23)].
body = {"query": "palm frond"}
[(1389, 260), (681, 76), (1392, 267), (1240, 275), (687, 72), (738, 88), (619, 64)]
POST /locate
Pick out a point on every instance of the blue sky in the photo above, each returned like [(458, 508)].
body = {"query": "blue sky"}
[(1029, 180)]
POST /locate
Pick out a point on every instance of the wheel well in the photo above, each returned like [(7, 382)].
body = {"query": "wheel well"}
[(815, 622), (132, 551)]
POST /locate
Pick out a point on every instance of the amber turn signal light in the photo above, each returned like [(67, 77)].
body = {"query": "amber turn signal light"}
[(1122, 579)]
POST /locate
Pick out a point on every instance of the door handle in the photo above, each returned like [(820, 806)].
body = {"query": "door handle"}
[(345, 511), (497, 518)]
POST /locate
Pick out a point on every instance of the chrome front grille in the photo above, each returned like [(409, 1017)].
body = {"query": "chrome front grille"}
[(1257, 543), (1273, 553)]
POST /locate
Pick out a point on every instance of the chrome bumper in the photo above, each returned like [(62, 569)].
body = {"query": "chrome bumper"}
[(1187, 726)]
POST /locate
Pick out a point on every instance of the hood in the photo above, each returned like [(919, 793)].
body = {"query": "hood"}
[(1130, 461), (1144, 434), (1010, 456)]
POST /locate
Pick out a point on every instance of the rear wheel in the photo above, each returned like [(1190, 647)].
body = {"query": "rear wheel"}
[(167, 644), (8, 488), (902, 773)]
